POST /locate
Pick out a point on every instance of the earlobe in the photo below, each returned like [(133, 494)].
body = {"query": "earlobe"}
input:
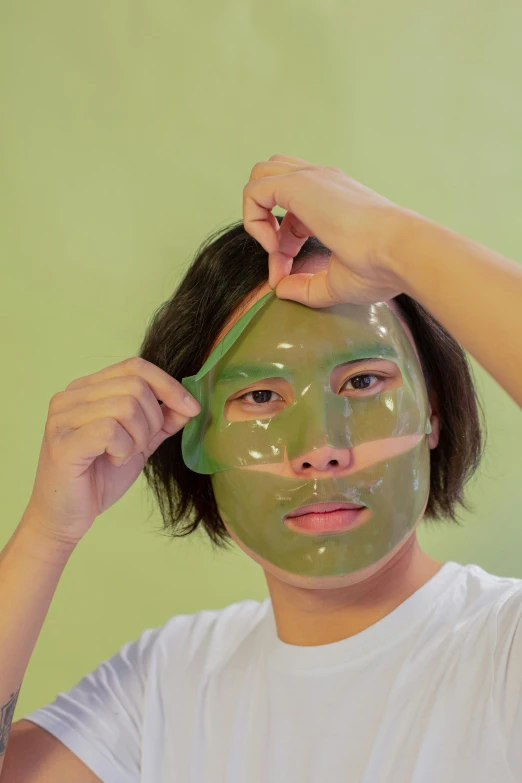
[(433, 437)]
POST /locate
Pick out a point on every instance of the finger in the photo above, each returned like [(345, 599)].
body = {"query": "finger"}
[(279, 266), (291, 159), (279, 263), (115, 388), (267, 168), (259, 198), (126, 411), (175, 422), (132, 436), (99, 436), (308, 289), (292, 235), (274, 222), (164, 387)]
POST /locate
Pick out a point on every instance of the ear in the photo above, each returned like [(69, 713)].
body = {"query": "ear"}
[(433, 437)]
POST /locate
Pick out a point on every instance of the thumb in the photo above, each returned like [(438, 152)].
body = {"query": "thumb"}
[(308, 289), (161, 436)]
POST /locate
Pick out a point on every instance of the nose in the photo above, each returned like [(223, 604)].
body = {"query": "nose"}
[(324, 459)]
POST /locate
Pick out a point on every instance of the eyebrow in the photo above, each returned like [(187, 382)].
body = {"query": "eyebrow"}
[(253, 371)]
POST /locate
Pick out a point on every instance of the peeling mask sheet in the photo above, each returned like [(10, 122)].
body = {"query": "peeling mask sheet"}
[(290, 365)]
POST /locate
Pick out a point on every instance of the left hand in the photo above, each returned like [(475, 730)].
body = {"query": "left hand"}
[(356, 224)]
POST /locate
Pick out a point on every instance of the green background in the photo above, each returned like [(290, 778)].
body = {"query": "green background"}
[(128, 132)]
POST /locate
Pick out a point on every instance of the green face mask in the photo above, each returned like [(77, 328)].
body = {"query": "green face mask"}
[(248, 448)]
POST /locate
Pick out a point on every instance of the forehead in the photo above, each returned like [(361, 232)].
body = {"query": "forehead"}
[(377, 314), (286, 332), (310, 265), (284, 337)]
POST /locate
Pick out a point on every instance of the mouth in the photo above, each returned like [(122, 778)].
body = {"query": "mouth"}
[(324, 518), (318, 508)]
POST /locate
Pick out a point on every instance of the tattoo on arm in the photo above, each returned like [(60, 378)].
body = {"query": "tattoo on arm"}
[(6, 717)]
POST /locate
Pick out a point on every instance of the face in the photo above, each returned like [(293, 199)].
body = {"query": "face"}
[(303, 406)]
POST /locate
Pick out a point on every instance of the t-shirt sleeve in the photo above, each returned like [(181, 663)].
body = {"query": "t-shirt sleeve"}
[(100, 718), (508, 676)]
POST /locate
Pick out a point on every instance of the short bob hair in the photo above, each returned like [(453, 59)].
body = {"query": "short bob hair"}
[(227, 269)]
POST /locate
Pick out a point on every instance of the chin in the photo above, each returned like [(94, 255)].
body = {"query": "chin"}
[(323, 583)]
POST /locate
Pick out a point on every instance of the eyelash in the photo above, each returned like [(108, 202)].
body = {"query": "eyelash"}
[(261, 404)]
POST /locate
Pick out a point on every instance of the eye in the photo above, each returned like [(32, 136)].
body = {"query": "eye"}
[(260, 397), (363, 382)]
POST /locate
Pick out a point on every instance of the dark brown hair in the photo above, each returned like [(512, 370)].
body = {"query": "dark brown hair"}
[(229, 267)]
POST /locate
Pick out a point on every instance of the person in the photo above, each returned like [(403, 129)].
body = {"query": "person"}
[(377, 663)]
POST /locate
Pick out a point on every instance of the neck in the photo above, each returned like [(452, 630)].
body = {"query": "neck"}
[(308, 617)]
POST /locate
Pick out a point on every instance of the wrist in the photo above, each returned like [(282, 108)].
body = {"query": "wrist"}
[(33, 538), (400, 229)]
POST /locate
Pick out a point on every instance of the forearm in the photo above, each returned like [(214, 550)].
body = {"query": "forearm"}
[(30, 568), (473, 291)]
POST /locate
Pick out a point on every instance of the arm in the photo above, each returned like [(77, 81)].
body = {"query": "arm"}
[(30, 569), (474, 292)]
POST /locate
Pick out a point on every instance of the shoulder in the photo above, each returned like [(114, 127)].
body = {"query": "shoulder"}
[(210, 632)]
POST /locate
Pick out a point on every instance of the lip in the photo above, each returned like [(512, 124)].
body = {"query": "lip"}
[(322, 519), (319, 508)]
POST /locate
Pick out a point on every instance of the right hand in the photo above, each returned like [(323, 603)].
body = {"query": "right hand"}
[(92, 426)]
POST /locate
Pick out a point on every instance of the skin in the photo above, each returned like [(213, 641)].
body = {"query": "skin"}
[(379, 250), (307, 614)]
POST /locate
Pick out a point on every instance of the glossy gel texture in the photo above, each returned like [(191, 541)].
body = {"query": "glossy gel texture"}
[(303, 345)]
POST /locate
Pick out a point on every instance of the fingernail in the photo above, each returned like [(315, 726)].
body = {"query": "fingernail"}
[(193, 407)]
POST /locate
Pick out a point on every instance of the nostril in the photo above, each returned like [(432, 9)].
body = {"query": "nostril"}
[(331, 462)]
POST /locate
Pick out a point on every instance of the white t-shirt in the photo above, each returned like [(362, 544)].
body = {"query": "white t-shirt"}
[(432, 693)]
